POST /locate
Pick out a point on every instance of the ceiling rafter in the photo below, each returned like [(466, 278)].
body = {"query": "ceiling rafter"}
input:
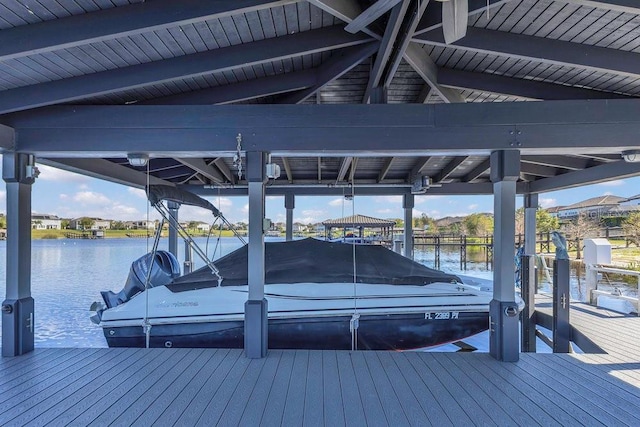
[(116, 22), (267, 50), (421, 163), (106, 170), (622, 6), (344, 168), (339, 64), (367, 17), (565, 162), (433, 16), (541, 49), (386, 48), (241, 91), (446, 171), (219, 162), (385, 169), (203, 169), (352, 171), (409, 27), (287, 169), (596, 174), (523, 88), (348, 10), (478, 171), (538, 170)]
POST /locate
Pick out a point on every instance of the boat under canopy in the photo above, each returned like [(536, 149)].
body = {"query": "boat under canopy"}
[(321, 295)]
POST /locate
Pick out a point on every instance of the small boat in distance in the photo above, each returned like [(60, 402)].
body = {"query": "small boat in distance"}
[(321, 295)]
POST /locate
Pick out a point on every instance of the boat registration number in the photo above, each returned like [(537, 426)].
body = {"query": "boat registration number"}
[(442, 315)]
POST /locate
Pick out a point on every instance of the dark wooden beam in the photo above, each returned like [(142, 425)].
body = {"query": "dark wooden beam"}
[(116, 22), (386, 48), (541, 49), (385, 169), (449, 168), (134, 76), (340, 63), (287, 169), (477, 171), (374, 12), (518, 87)]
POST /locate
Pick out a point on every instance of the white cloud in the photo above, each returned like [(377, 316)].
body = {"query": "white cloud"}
[(245, 209), (47, 173), (63, 196), (83, 187), (614, 183), (388, 199), (386, 211), (91, 198), (547, 203), (472, 206), (3, 195), (339, 202), (138, 192)]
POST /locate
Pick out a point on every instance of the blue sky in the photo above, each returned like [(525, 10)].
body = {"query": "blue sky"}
[(71, 195)]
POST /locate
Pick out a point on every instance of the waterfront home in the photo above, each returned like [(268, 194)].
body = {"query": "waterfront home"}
[(45, 222), (96, 224), (595, 207)]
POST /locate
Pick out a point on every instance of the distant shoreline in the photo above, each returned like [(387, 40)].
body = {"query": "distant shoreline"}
[(115, 234)]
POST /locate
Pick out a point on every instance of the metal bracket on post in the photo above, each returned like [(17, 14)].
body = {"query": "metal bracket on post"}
[(561, 298)]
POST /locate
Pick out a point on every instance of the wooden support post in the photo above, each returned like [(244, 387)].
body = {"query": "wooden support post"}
[(503, 328), (18, 309), (561, 297), (289, 205), (407, 205), (527, 278), (256, 310), (173, 230)]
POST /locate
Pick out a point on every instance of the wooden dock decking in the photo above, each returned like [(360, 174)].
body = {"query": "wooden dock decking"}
[(221, 387)]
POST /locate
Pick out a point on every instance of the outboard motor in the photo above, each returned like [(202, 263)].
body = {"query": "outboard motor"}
[(164, 269)]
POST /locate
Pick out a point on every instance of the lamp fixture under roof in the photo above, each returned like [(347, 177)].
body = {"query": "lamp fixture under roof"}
[(631, 156), (138, 159)]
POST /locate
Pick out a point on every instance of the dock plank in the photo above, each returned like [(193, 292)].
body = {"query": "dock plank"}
[(332, 403), (277, 399), (214, 383), (372, 405), (349, 391), (56, 403), (147, 396), (293, 413), (246, 386), (257, 402), (313, 396), (168, 408)]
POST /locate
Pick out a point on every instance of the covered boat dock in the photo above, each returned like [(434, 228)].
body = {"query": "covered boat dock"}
[(290, 98)]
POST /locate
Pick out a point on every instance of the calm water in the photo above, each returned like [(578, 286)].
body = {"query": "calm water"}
[(68, 275)]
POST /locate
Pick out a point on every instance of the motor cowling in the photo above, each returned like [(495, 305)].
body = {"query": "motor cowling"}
[(164, 268)]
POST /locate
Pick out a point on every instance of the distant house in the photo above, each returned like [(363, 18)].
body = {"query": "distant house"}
[(596, 207), (45, 222), (203, 226), (298, 227), (98, 224), (142, 224)]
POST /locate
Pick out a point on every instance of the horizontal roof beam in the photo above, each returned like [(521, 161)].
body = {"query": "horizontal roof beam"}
[(235, 92), (455, 188), (433, 16), (549, 128), (540, 49), (116, 22), (105, 170), (224, 59), (622, 6), (531, 89), (602, 173), (7, 138)]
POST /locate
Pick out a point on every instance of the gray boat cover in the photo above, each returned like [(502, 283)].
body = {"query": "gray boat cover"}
[(158, 193), (316, 261)]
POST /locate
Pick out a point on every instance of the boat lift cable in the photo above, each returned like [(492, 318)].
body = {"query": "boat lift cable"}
[(183, 233), (355, 317), (146, 325)]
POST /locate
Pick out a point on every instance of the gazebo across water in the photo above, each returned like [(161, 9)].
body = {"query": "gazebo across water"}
[(356, 224)]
